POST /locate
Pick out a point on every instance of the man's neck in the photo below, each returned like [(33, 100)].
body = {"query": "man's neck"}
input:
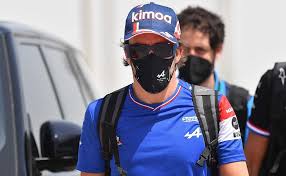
[(210, 82), (160, 97)]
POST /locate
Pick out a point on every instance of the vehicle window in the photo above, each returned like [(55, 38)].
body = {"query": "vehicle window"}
[(86, 77), (7, 132), (2, 114), (39, 96), (66, 83)]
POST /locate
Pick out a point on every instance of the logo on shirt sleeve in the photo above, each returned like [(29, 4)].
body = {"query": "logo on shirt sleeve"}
[(229, 130), (229, 110), (225, 109), (234, 123)]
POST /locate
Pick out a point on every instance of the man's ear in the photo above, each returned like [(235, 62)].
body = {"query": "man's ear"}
[(218, 51), (125, 52), (179, 54), (128, 61)]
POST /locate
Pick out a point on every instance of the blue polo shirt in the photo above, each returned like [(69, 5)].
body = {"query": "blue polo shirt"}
[(159, 139)]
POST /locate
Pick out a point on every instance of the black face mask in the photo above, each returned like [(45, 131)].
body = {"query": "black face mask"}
[(196, 70), (153, 72)]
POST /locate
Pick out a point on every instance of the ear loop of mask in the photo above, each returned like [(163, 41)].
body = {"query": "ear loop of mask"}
[(175, 68)]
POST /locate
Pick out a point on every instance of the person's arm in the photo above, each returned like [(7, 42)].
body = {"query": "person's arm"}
[(255, 150), (234, 169), (90, 160), (258, 124), (230, 152), (91, 174)]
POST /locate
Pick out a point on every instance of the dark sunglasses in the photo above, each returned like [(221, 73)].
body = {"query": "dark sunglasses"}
[(137, 51)]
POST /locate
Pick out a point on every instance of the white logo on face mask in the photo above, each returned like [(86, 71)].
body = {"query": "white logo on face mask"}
[(150, 15), (282, 75), (159, 76)]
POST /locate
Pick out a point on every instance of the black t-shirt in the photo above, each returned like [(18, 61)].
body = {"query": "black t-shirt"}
[(260, 114)]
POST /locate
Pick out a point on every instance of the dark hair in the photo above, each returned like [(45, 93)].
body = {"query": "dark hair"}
[(205, 21)]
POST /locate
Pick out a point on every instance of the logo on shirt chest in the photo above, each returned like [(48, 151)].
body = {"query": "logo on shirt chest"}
[(197, 133), (190, 119)]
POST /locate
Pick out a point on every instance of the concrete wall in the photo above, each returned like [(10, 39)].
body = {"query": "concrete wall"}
[(255, 33), (61, 18), (256, 38)]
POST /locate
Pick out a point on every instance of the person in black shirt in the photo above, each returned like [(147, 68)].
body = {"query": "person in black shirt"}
[(266, 145)]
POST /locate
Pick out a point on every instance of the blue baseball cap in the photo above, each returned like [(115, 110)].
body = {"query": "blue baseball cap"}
[(153, 18)]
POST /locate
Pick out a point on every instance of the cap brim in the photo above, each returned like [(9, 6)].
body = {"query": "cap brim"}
[(146, 31)]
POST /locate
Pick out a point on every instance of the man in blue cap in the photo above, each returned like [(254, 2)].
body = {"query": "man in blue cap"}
[(158, 132)]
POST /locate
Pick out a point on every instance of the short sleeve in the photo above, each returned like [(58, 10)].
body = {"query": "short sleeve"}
[(259, 120), (89, 156), (230, 148)]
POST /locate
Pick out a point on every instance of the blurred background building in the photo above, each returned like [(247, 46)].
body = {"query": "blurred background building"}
[(255, 33)]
